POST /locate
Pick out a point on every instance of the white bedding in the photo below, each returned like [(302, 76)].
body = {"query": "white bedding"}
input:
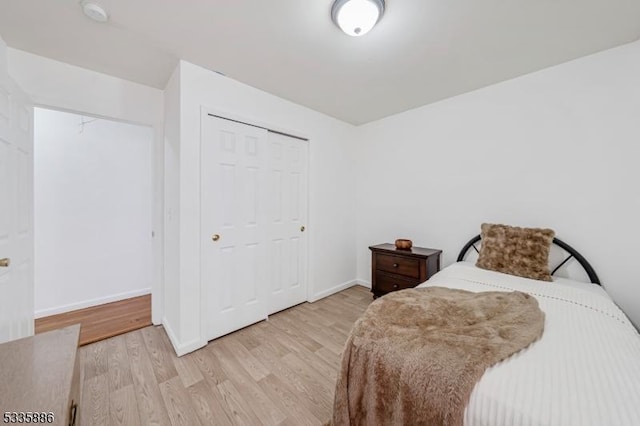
[(585, 370)]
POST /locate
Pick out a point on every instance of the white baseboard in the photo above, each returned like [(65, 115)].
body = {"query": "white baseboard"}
[(364, 283), (89, 303), (332, 290), (181, 349)]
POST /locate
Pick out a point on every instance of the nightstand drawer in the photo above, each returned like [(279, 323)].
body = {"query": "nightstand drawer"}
[(406, 266), (386, 283)]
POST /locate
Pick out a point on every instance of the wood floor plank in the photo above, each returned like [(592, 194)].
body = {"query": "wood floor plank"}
[(159, 354), (309, 322), (95, 359), (263, 334), (242, 413), (188, 370), (317, 362), (245, 358), (278, 337), (286, 323), (322, 318), (209, 405), (81, 359), (361, 293), (322, 387), (209, 366), (178, 403), (326, 339), (102, 321), (341, 307), (119, 371), (186, 366), (289, 422), (267, 411), (274, 372), (95, 408), (123, 409), (310, 309), (307, 393), (246, 337), (298, 413), (164, 339), (330, 357), (344, 328), (150, 403), (337, 336)]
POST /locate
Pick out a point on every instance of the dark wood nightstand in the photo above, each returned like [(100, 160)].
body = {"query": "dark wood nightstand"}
[(393, 269)]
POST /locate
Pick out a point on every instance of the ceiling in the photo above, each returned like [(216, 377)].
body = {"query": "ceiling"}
[(420, 52)]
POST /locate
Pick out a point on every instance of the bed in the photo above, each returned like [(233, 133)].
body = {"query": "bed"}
[(585, 368)]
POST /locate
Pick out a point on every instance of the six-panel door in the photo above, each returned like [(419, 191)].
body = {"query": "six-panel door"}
[(16, 210), (233, 225), (287, 218), (253, 219)]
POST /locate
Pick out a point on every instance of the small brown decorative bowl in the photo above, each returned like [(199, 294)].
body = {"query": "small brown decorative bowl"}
[(402, 244)]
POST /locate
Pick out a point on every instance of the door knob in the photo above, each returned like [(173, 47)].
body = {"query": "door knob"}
[(302, 228), (4, 263), (215, 237)]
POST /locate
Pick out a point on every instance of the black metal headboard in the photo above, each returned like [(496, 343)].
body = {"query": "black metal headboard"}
[(593, 277)]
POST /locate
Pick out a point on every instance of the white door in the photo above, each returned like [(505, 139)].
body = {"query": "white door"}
[(233, 225), (16, 210), (287, 218)]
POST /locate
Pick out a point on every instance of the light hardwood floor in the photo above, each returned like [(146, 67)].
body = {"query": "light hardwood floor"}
[(277, 372)]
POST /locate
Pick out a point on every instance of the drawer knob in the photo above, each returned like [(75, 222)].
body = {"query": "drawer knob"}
[(395, 265), (395, 286)]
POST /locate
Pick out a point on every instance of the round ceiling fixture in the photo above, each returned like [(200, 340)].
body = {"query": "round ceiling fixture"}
[(357, 17), (94, 11)]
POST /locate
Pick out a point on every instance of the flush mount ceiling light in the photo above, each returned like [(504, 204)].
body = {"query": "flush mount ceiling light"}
[(94, 11), (356, 17)]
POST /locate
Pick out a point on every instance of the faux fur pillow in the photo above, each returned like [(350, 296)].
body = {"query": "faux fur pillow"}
[(523, 252)]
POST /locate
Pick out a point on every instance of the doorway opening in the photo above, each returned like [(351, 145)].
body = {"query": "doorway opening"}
[(93, 211)]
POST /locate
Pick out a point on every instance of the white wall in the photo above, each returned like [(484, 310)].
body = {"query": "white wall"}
[(331, 175), (55, 84), (556, 148), (3, 56), (93, 211), (171, 319), (76, 89)]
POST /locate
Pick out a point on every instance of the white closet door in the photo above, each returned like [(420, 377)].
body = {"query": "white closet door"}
[(16, 210), (233, 225), (287, 245)]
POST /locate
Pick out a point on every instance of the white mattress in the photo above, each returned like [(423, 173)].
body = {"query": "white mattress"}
[(585, 370)]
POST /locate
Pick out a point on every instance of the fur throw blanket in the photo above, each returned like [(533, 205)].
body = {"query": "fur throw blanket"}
[(415, 355)]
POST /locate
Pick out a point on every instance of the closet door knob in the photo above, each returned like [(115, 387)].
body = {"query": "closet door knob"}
[(4, 263), (302, 228), (215, 237)]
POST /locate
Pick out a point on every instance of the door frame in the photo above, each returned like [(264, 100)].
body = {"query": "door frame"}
[(157, 203), (204, 114)]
